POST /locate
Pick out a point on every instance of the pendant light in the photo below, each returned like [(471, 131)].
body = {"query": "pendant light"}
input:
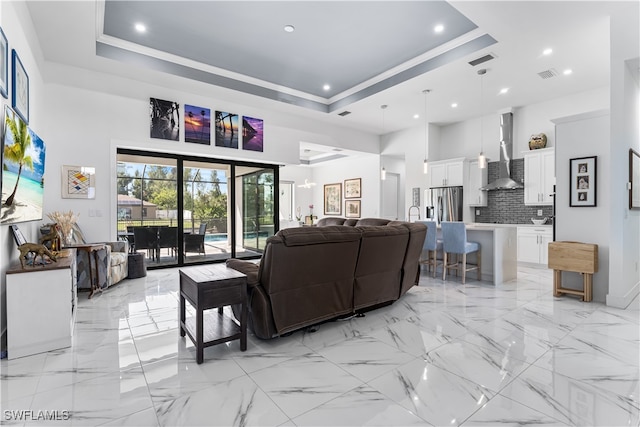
[(383, 171), (425, 164), (482, 160)]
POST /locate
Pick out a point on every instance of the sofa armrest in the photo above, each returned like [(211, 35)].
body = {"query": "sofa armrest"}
[(250, 269), (119, 246)]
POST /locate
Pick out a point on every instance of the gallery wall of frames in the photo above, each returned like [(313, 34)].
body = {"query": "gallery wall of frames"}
[(23, 151), (223, 128)]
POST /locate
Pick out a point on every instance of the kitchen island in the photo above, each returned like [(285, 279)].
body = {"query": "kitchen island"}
[(499, 250)]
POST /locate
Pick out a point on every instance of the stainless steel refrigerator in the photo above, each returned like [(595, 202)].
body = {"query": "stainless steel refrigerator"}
[(444, 204)]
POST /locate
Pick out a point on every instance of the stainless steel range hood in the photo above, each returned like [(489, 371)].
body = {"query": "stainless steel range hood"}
[(504, 181)]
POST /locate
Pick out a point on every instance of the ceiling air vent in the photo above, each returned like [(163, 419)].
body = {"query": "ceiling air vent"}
[(547, 74), (481, 60), (344, 113)]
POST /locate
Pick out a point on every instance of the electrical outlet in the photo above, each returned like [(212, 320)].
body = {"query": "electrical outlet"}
[(539, 212), (477, 211)]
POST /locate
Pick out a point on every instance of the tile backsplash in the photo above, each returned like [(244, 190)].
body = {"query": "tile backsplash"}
[(507, 206)]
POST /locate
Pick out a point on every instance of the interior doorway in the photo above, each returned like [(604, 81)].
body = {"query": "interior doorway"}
[(390, 188)]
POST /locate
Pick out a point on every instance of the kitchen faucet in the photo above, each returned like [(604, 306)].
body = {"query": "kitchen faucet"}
[(409, 213)]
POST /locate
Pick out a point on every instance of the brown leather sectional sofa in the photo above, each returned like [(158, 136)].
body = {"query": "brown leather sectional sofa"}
[(309, 275)]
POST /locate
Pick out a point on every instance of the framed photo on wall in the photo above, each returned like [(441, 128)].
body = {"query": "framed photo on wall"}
[(20, 88), (4, 65), (583, 182), (352, 208), (333, 199), (352, 188), (78, 182)]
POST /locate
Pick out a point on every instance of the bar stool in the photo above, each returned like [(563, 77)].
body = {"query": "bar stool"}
[(432, 245), (454, 241)]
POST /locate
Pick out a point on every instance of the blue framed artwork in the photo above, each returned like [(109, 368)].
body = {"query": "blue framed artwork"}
[(4, 64), (20, 88)]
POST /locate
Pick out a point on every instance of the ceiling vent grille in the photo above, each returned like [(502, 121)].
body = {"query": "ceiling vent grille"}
[(344, 113), (547, 74), (482, 60)]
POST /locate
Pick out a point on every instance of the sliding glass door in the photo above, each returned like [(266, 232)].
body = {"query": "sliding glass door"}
[(179, 210), (206, 208), (256, 189), (147, 206)]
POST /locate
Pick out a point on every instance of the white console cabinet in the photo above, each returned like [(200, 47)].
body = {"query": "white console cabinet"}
[(533, 244), (41, 306)]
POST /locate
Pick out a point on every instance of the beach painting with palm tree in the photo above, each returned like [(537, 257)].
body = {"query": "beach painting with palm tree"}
[(22, 172), (197, 125)]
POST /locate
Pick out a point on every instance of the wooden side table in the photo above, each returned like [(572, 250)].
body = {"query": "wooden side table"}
[(208, 287), (577, 257)]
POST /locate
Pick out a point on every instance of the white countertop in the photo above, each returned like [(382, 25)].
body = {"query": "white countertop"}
[(491, 225)]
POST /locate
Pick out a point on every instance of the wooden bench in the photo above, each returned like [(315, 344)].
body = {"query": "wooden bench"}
[(577, 257)]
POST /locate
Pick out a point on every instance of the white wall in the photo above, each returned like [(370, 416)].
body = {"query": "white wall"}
[(23, 40), (94, 124), (303, 197), (366, 167), (462, 139), (585, 135), (407, 147), (624, 272)]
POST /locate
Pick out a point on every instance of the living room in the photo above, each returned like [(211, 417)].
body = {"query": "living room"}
[(84, 116)]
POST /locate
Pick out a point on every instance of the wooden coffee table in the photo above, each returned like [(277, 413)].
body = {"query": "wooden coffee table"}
[(208, 287)]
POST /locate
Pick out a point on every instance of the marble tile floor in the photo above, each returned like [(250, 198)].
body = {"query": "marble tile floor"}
[(446, 354)]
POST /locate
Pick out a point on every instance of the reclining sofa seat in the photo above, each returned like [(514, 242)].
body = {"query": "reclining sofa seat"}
[(309, 275)]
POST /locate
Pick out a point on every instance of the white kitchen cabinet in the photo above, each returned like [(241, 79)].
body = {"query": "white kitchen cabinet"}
[(41, 306), (476, 179), (533, 244), (539, 176), (446, 173)]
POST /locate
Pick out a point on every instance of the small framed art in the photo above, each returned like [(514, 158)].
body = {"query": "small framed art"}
[(20, 88), (583, 182), (352, 208), (333, 199), (352, 188), (4, 65), (78, 182)]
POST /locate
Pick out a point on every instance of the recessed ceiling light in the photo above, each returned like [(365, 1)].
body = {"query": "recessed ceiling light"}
[(438, 28), (140, 27), (326, 87), (567, 71), (504, 90), (289, 28), (454, 105), (547, 51), (416, 116)]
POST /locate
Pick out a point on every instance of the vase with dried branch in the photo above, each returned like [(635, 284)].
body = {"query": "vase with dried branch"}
[(65, 221)]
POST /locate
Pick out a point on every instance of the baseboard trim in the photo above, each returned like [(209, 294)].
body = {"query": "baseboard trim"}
[(623, 301)]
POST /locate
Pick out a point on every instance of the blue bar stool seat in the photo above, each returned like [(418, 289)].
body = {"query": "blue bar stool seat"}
[(454, 241), (432, 245)]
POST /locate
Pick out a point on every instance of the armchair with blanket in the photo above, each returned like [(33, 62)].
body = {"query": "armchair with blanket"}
[(111, 259)]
